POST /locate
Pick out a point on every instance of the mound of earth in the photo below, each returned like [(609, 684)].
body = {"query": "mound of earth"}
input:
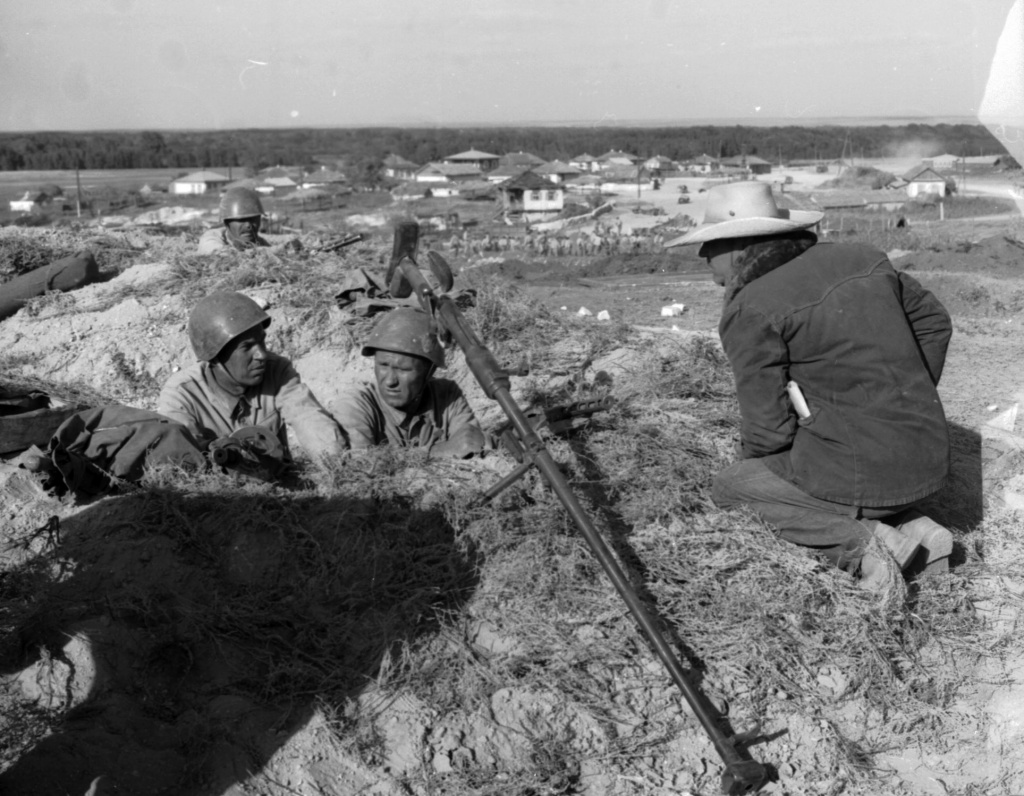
[(995, 256)]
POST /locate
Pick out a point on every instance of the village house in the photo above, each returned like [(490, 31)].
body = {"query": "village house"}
[(506, 172), (659, 165), (520, 159), (620, 178), (924, 179), (944, 162), (703, 164), (585, 163), (277, 186), (532, 195), (410, 191), (198, 182), (324, 178), (484, 161), (31, 201), (752, 164), (448, 172), (294, 172), (398, 168), (616, 157), (556, 171), (584, 184)]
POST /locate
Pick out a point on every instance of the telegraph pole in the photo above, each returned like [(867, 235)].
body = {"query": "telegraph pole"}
[(78, 189)]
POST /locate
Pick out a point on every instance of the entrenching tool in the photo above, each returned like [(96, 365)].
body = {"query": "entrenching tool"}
[(404, 278)]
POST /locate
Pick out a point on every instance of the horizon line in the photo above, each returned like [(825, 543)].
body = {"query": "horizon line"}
[(817, 121)]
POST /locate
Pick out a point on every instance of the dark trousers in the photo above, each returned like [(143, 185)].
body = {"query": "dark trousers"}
[(837, 531)]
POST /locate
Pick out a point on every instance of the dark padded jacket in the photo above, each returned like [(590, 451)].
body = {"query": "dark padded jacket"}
[(866, 344)]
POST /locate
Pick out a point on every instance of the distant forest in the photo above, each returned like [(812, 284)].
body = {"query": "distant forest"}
[(360, 150)]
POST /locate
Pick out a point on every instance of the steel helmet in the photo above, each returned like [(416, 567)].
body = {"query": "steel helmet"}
[(406, 330), (220, 318), (240, 203)]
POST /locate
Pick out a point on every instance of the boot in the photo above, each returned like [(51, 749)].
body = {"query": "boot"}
[(880, 575), (902, 546), (936, 541)]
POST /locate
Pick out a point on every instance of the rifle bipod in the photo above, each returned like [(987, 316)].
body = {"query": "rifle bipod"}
[(404, 278)]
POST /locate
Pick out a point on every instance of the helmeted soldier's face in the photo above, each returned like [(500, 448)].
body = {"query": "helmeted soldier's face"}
[(245, 357), (244, 230), (401, 378)]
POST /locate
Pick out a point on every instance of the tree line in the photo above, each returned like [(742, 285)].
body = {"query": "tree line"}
[(361, 150)]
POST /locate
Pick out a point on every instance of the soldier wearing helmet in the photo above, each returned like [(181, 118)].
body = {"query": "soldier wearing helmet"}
[(405, 405), (238, 383), (241, 214)]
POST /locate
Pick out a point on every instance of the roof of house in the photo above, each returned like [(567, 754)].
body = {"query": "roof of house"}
[(529, 181), (472, 154), (450, 169), (248, 182), (557, 167), (616, 153), (324, 176), (704, 159), (31, 196), (507, 172), (745, 160), (280, 182), (281, 171), (398, 162), (202, 176), (584, 158), (922, 173), (621, 174), (520, 159)]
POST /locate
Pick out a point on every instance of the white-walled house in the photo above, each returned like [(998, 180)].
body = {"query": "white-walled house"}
[(556, 171), (198, 182), (924, 180), (531, 194), (448, 172), (484, 161), (398, 168), (585, 162), (29, 202)]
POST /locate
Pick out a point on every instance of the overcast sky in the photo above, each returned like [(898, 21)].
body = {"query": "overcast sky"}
[(149, 64)]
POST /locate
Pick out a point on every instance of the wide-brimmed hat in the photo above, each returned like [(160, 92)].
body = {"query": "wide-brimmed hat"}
[(743, 210)]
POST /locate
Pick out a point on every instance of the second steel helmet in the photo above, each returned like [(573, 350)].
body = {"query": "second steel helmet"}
[(406, 331), (240, 203), (220, 318)]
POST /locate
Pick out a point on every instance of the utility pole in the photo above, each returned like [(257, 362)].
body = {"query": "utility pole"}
[(78, 190)]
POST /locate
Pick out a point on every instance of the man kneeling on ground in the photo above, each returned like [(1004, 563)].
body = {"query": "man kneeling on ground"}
[(238, 383), (836, 357), (405, 405)]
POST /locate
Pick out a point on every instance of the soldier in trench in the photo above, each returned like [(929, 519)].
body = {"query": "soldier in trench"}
[(405, 405), (238, 383)]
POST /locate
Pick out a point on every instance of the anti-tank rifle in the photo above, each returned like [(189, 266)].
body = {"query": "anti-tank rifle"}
[(742, 775)]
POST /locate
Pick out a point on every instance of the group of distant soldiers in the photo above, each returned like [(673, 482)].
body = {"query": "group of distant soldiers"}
[(601, 241)]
